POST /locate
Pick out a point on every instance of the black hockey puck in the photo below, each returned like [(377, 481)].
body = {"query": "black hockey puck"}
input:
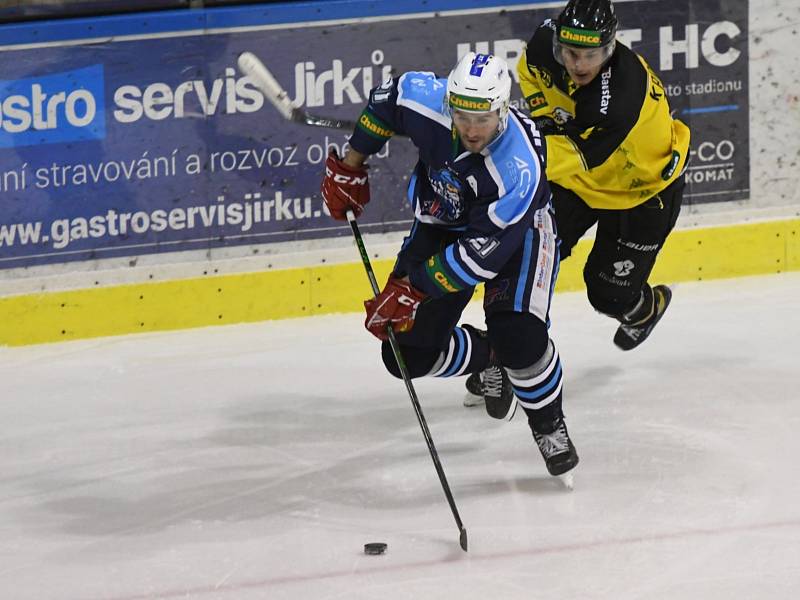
[(375, 548)]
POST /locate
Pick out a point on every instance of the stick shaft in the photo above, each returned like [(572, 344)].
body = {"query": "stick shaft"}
[(409, 386), (250, 65)]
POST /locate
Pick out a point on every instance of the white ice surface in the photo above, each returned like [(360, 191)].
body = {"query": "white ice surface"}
[(255, 461)]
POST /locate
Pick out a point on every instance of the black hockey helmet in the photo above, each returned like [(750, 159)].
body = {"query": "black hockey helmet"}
[(587, 23), (587, 27)]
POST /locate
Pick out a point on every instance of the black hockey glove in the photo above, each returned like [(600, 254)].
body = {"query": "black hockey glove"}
[(547, 126)]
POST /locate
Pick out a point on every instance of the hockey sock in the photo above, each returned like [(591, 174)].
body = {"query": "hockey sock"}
[(538, 387), (468, 351)]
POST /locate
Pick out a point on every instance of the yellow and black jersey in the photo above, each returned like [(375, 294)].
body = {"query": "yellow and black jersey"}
[(618, 144)]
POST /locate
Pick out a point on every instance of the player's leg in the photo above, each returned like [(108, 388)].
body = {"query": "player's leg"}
[(517, 307), (573, 218), (533, 367), (624, 253), (435, 345)]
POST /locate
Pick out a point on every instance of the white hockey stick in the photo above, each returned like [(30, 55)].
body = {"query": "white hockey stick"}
[(249, 64)]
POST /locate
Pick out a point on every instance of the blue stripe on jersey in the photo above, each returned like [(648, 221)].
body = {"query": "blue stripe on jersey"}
[(412, 184), (450, 259), (410, 235), (515, 148), (522, 282), (556, 269)]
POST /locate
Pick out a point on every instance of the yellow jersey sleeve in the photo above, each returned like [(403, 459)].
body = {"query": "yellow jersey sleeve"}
[(531, 87)]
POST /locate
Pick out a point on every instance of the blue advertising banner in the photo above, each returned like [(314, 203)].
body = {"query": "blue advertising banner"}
[(157, 144), (52, 9)]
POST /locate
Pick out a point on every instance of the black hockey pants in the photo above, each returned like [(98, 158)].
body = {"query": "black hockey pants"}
[(625, 247), (518, 338)]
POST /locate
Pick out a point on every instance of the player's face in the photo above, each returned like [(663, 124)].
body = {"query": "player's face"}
[(476, 130), (582, 64)]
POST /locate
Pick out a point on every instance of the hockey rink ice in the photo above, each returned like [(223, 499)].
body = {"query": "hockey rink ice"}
[(255, 461)]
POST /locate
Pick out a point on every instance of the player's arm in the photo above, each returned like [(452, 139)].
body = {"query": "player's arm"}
[(577, 151), (531, 87), (564, 157), (581, 148), (381, 119), (345, 186), (496, 231)]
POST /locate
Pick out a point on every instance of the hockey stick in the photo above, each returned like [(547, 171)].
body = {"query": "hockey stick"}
[(249, 64), (462, 539)]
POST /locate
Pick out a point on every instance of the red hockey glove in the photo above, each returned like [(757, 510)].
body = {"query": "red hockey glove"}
[(397, 305), (344, 187)]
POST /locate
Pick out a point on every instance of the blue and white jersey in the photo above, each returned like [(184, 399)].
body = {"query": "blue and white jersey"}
[(493, 198)]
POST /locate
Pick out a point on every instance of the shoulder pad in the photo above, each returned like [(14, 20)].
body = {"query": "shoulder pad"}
[(422, 88), (516, 169), (419, 85)]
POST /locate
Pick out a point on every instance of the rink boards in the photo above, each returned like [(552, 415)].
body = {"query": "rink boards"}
[(690, 255), (161, 192)]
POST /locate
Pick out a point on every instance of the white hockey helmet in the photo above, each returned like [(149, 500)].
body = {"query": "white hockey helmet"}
[(480, 83)]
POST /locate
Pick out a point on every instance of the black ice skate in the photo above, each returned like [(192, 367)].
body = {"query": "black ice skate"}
[(630, 334), (474, 385), (498, 393), (557, 449)]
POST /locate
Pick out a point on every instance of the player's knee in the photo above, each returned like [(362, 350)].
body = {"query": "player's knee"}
[(517, 339), (419, 361), (612, 298)]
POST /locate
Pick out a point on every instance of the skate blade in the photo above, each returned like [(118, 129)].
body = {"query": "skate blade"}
[(568, 480), (470, 400)]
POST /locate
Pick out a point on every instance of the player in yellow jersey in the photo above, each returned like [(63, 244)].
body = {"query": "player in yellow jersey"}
[(615, 158)]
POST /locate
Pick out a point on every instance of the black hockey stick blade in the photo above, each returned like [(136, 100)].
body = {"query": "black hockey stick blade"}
[(300, 116), (462, 539)]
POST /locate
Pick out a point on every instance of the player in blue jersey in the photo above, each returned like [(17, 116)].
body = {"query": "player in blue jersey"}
[(482, 215)]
